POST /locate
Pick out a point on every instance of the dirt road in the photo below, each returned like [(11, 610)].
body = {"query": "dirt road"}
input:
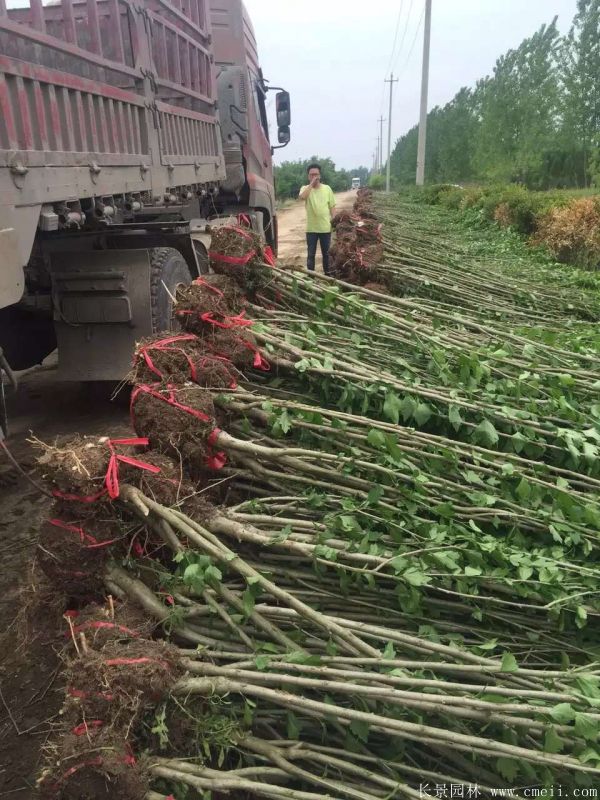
[(292, 242)]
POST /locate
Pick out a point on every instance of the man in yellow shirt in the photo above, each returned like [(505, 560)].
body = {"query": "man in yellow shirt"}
[(320, 208)]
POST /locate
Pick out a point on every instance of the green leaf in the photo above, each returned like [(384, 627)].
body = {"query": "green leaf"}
[(589, 754), (491, 644), (455, 418), (376, 438), (422, 414), (563, 713), (248, 601), (300, 657), (407, 408), (486, 433), (508, 768), (360, 729), (415, 577), (375, 495), (389, 653), (586, 727), (509, 663), (581, 617), (293, 726), (508, 468), (348, 522), (552, 742), (523, 490), (472, 571), (391, 407), (262, 662), (213, 573)]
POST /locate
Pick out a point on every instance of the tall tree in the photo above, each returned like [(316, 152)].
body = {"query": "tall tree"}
[(519, 110), (580, 72)]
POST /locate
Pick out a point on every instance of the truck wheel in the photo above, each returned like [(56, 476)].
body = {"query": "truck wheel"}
[(168, 269)]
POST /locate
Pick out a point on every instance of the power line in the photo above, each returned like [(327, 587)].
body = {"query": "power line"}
[(395, 36), (392, 53), (414, 41), (410, 8)]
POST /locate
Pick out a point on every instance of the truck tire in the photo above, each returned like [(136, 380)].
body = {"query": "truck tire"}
[(168, 269)]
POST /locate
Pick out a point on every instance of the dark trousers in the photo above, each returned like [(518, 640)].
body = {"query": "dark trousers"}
[(311, 243)]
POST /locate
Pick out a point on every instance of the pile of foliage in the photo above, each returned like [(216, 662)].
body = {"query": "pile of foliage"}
[(535, 120), (351, 550), (566, 224)]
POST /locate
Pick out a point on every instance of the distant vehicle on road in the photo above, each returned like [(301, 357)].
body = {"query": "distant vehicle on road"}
[(355, 183)]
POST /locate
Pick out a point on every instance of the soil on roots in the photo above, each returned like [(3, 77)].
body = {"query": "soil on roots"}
[(218, 295), (102, 624), (72, 551), (75, 465), (236, 243), (97, 765), (173, 430), (116, 683), (238, 348)]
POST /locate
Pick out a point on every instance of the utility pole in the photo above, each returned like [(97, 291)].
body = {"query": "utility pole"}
[(381, 120), (424, 89), (391, 80)]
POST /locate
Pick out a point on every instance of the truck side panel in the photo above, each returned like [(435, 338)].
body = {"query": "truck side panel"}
[(103, 98)]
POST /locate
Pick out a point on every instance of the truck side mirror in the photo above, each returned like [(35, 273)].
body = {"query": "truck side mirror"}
[(282, 107), (283, 134)]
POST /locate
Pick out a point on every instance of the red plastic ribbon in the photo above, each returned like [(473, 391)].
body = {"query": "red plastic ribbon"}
[(100, 625), (163, 345), (111, 480), (239, 261), (83, 695), (238, 321), (269, 256), (169, 399), (125, 662), (202, 282), (83, 728), (238, 230), (83, 536)]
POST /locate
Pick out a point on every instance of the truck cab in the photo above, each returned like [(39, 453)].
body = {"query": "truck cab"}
[(355, 183), (242, 101)]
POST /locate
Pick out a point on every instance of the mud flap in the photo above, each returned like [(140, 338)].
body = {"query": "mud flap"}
[(102, 307)]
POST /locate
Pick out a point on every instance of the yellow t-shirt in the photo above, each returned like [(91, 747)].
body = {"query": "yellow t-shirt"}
[(318, 205)]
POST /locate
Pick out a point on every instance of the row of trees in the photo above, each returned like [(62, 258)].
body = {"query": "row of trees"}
[(536, 120), (291, 176)]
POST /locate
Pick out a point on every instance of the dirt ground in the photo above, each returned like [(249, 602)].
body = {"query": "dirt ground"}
[(30, 690), (292, 241)]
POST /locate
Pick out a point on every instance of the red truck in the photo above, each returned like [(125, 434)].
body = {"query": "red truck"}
[(126, 128)]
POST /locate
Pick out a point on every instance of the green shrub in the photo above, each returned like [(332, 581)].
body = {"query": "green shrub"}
[(471, 197), (377, 182), (452, 198), (432, 193), (510, 205)]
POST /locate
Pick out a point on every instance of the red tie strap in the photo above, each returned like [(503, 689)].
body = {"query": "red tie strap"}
[(164, 346), (84, 728), (269, 256), (111, 480), (239, 261), (83, 536), (202, 282), (166, 398), (238, 321)]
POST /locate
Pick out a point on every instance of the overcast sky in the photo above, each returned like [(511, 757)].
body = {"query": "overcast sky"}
[(332, 56)]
